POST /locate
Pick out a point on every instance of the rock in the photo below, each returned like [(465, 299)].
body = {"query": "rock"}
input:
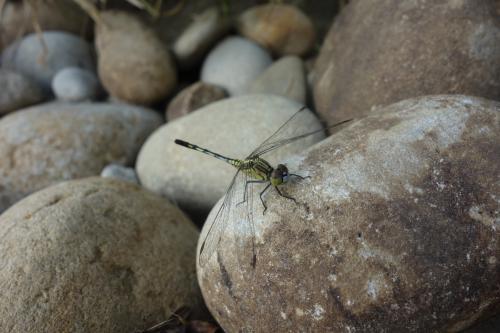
[(195, 41), (192, 98), (286, 77), (31, 58), (48, 143), (94, 255), (133, 64), (74, 84), (17, 91), (378, 53), (117, 171), (196, 181), (397, 230), (19, 17), (281, 28), (234, 63)]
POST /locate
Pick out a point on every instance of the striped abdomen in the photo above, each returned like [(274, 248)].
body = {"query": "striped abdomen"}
[(232, 161)]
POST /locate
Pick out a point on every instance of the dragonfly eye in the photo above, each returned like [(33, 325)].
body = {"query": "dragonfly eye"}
[(283, 172)]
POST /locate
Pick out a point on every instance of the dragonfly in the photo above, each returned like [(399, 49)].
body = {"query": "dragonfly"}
[(254, 170)]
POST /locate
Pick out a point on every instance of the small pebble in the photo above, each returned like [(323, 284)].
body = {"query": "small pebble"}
[(118, 171), (74, 84)]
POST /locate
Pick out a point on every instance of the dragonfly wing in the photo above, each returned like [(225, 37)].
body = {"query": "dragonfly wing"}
[(275, 136), (274, 144), (218, 224)]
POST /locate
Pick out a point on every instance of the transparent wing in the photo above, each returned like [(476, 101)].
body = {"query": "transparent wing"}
[(268, 146), (244, 227), (219, 223), (275, 136)]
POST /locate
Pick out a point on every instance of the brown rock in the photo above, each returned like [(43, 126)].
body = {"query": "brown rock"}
[(281, 28), (49, 143), (193, 97), (397, 230), (94, 255), (378, 53), (133, 64)]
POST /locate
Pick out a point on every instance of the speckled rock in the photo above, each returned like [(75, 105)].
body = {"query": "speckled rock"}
[(48, 143), (192, 98), (195, 41), (74, 84), (17, 18), (133, 64), (234, 63), (281, 28), (117, 171), (196, 181), (17, 91), (286, 77), (30, 57), (381, 52), (94, 255), (397, 230)]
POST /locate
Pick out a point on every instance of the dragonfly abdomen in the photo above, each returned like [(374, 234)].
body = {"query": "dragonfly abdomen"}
[(256, 168), (232, 161)]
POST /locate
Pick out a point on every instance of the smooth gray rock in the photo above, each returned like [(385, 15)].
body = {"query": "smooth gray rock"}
[(285, 77), (17, 91), (194, 42), (49, 143), (94, 255), (121, 172), (397, 230), (234, 63), (31, 58), (74, 84), (232, 127)]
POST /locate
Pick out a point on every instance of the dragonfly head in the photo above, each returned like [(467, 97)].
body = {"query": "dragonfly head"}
[(279, 175)]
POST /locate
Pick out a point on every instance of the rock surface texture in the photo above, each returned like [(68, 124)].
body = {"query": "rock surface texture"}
[(94, 255), (398, 229), (48, 143), (380, 52)]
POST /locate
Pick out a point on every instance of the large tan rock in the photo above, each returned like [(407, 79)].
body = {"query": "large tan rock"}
[(380, 52), (94, 255), (397, 230), (133, 63), (48, 143)]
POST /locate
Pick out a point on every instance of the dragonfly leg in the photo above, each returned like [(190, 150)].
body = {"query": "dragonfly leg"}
[(245, 192), (298, 176), (262, 200), (283, 195)]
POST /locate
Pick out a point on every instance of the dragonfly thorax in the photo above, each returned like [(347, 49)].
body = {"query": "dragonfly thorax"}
[(279, 175), (256, 168)]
